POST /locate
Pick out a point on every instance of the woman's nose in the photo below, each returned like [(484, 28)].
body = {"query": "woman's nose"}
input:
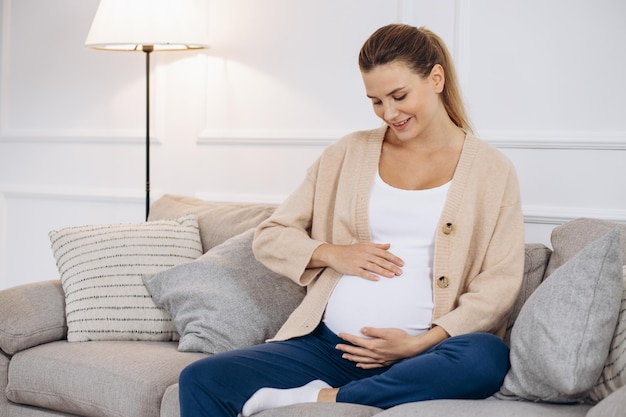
[(390, 111)]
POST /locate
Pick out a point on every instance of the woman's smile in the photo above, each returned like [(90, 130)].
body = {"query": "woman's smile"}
[(399, 126)]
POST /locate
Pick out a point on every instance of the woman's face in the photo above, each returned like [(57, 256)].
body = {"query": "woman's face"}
[(408, 103)]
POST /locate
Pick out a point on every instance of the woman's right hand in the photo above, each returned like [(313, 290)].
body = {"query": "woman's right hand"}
[(365, 260)]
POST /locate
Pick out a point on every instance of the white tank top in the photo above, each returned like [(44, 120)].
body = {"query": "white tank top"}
[(407, 219)]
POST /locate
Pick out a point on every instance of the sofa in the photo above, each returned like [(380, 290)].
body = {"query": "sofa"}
[(50, 366)]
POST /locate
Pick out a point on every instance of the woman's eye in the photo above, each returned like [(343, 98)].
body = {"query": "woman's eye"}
[(400, 98), (377, 102)]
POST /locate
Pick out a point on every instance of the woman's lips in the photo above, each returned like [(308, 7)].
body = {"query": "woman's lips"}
[(401, 125)]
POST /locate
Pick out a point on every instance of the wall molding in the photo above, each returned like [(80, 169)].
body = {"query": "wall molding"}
[(78, 194), (264, 137), (559, 215), (535, 139), (5, 27), (522, 139), (91, 136), (462, 42), (406, 9), (241, 198), (556, 139)]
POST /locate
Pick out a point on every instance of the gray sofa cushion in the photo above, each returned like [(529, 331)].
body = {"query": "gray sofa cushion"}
[(484, 408), (103, 378), (614, 373), (170, 408), (26, 321), (561, 338), (218, 221), (322, 410), (225, 299), (570, 238)]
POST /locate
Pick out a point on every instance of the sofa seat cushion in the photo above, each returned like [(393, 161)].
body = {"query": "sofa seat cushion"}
[(322, 410), (103, 378), (170, 408), (485, 408)]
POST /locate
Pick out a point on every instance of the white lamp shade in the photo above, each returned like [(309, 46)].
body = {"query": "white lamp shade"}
[(129, 25)]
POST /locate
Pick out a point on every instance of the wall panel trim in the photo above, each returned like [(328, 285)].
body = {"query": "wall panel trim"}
[(406, 9), (270, 137), (538, 139), (72, 194), (241, 198), (5, 27), (56, 136), (560, 215), (556, 139)]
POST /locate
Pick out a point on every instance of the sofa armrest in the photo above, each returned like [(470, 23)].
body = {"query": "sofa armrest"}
[(31, 314)]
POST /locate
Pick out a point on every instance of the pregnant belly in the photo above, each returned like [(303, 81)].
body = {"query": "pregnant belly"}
[(403, 302)]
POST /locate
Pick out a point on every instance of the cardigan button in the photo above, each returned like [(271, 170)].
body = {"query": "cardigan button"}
[(447, 228), (443, 282)]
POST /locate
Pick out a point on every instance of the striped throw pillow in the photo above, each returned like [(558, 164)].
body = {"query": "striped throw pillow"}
[(101, 269)]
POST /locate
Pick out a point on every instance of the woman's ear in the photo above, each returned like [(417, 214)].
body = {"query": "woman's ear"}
[(438, 78)]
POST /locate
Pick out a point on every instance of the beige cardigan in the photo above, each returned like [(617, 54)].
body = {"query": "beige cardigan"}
[(479, 247)]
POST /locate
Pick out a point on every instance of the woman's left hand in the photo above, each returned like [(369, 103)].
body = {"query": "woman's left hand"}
[(380, 347)]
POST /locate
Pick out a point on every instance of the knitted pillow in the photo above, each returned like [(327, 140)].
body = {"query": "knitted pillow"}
[(101, 270)]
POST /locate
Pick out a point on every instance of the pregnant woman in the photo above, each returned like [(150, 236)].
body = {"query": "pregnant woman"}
[(409, 239)]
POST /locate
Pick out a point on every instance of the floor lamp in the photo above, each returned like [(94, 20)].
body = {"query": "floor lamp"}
[(148, 26)]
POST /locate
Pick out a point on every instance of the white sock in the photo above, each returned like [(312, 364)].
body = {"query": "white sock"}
[(267, 398)]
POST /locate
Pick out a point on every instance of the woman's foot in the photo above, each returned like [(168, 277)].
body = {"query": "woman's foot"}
[(267, 398)]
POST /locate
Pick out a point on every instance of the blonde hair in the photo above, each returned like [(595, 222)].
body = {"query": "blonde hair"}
[(421, 50)]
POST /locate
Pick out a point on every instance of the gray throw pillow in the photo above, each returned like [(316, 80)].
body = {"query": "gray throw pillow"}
[(614, 373), (225, 299), (561, 338)]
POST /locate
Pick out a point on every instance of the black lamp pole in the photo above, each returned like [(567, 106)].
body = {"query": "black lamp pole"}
[(147, 49)]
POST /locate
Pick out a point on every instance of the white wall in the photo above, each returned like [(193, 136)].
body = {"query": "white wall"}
[(242, 120)]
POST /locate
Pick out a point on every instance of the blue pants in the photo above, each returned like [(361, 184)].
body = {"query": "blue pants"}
[(470, 366)]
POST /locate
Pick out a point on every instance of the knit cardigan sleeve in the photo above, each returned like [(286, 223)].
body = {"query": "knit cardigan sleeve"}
[(330, 206), (283, 242)]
